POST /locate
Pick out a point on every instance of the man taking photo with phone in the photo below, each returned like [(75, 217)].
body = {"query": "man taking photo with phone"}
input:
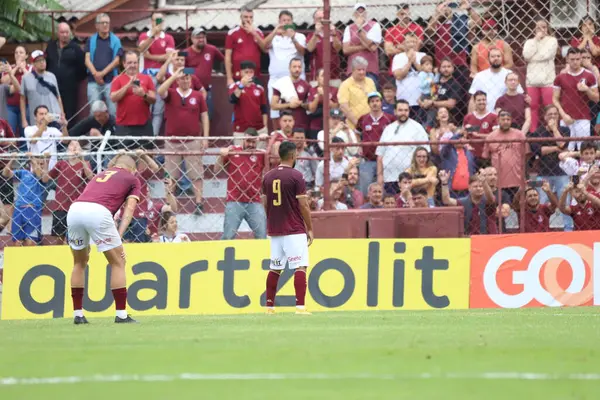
[(537, 215)]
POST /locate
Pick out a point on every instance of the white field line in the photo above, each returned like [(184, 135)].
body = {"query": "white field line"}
[(519, 376)]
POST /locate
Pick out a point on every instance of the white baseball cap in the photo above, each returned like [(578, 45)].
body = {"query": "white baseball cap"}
[(360, 5), (37, 54)]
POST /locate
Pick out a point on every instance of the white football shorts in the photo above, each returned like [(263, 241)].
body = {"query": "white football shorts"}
[(292, 249), (87, 221)]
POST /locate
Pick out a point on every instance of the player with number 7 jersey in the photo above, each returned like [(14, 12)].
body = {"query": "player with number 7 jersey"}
[(289, 225), (90, 217)]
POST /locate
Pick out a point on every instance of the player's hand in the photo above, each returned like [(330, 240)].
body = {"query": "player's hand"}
[(310, 237)]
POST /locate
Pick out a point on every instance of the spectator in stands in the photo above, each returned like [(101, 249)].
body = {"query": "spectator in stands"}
[(396, 35), (286, 124), (244, 43), (448, 94), (370, 126), (491, 81), (537, 213), (443, 129), (424, 172), (389, 98), (315, 104), (479, 123), (314, 45), (169, 229), (291, 93), (184, 107), (353, 93), (406, 67), (588, 40), (338, 165), (362, 39), (591, 180), (404, 197), (133, 93), (507, 157), (420, 198), (491, 177), (245, 173), (375, 197), (339, 128), (479, 206), (578, 162), (202, 56), (489, 40), (539, 53), (26, 227), (19, 68), (394, 159), (458, 160), (389, 201), (249, 102), (353, 197), (96, 125), (284, 44), (304, 164), (573, 90), (176, 61), (9, 85), (547, 156), (103, 54), (7, 190), (155, 46), (515, 103), (71, 176), (66, 61), (584, 208), (41, 88), (336, 191), (42, 134)]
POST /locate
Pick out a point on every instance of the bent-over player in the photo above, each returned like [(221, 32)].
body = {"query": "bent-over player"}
[(91, 217), (288, 224)]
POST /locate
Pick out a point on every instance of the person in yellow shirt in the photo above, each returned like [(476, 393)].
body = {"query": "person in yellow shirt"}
[(353, 93)]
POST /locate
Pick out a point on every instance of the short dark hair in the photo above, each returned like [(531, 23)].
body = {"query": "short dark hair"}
[(389, 196), (573, 50), (388, 86), (295, 59), (418, 191), (247, 65), (479, 93), (165, 217), (402, 101), (504, 113), (301, 130), (587, 146), (337, 139), (286, 12), (427, 59), (473, 179), (38, 107), (285, 113), (404, 175), (286, 149)]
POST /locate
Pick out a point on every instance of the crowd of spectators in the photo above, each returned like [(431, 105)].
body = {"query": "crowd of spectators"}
[(464, 88)]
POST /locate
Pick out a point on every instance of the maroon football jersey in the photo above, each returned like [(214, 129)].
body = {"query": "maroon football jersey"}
[(282, 186), (111, 188), (539, 220)]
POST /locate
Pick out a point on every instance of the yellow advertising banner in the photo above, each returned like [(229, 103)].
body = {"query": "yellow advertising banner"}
[(228, 277)]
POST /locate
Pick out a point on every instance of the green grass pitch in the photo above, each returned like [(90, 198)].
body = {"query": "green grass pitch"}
[(474, 354)]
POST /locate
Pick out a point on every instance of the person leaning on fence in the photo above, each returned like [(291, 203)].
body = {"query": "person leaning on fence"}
[(169, 230), (103, 52), (479, 206), (420, 198), (133, 93), (537, 214), (249, 102), (285, 133), (26, 229), (374, 197), (96, 125), (244, 181), (184, 108)]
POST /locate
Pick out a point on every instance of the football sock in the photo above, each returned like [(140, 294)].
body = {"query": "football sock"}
[(77, 295), (300, 287), (272, 279), (120, 296)]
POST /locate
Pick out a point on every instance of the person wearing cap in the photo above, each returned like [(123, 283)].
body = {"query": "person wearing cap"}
[(245, 172), (338, 166), (154, 47), (66, 60), (370, 127), (314, 45), (459, 162), (40, 88), (284, 44), (103, 53), (338, 128), (362, 39), (184, 107), (202, 56), (249, 101), (315, 104), (489, 40), (352, 94), (394, 37), (243, 43)]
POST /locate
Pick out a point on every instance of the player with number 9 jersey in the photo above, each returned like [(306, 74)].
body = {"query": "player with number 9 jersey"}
[(288, 224)]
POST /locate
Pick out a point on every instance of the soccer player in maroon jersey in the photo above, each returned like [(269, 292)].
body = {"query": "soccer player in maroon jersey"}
[(288, 224), (91, 217)]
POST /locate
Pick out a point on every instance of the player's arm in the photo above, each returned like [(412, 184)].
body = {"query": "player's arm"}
[(127, 216), (305, 211)]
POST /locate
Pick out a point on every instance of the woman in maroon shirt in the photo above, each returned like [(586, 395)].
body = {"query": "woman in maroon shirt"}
[(315, 105), (13, 101), (588, 39)]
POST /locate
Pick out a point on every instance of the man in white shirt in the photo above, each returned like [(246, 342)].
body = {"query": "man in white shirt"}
[(41, 134), (405, 67), (393, 160), (284, 44), (337, 166), (491, 81)]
